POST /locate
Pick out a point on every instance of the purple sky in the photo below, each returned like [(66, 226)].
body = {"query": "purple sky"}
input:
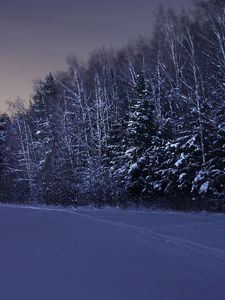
[(36, 36)]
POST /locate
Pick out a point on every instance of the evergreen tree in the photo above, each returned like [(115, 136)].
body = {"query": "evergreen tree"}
[(141, 130), (43, 122), (142, 123), (42, 109)]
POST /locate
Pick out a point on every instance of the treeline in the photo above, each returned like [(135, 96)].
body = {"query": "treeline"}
[(145, 123)]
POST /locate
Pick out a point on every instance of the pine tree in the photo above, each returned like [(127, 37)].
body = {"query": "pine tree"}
[(141, 130), (142, 124), (42, 110), (43, 123)]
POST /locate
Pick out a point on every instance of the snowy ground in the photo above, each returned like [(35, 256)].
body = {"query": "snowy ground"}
[(110, 254)]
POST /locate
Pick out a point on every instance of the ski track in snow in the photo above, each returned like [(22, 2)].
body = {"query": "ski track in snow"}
[(207, 262)]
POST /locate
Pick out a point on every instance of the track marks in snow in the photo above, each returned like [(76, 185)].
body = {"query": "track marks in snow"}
[(208, 262)]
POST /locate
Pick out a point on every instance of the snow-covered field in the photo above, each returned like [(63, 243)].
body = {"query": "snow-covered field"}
[(110, 254)]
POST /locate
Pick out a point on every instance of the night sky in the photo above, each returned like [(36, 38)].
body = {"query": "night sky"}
[(36, 36)]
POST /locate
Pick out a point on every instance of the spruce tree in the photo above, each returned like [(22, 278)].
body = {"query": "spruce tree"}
[(141, 129), (141, 125), (43, 118)]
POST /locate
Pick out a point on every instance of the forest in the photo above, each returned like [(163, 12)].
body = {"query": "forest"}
[(142, 124)]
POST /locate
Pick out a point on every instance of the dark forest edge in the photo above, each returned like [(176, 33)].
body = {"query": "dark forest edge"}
[(144, 124)]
